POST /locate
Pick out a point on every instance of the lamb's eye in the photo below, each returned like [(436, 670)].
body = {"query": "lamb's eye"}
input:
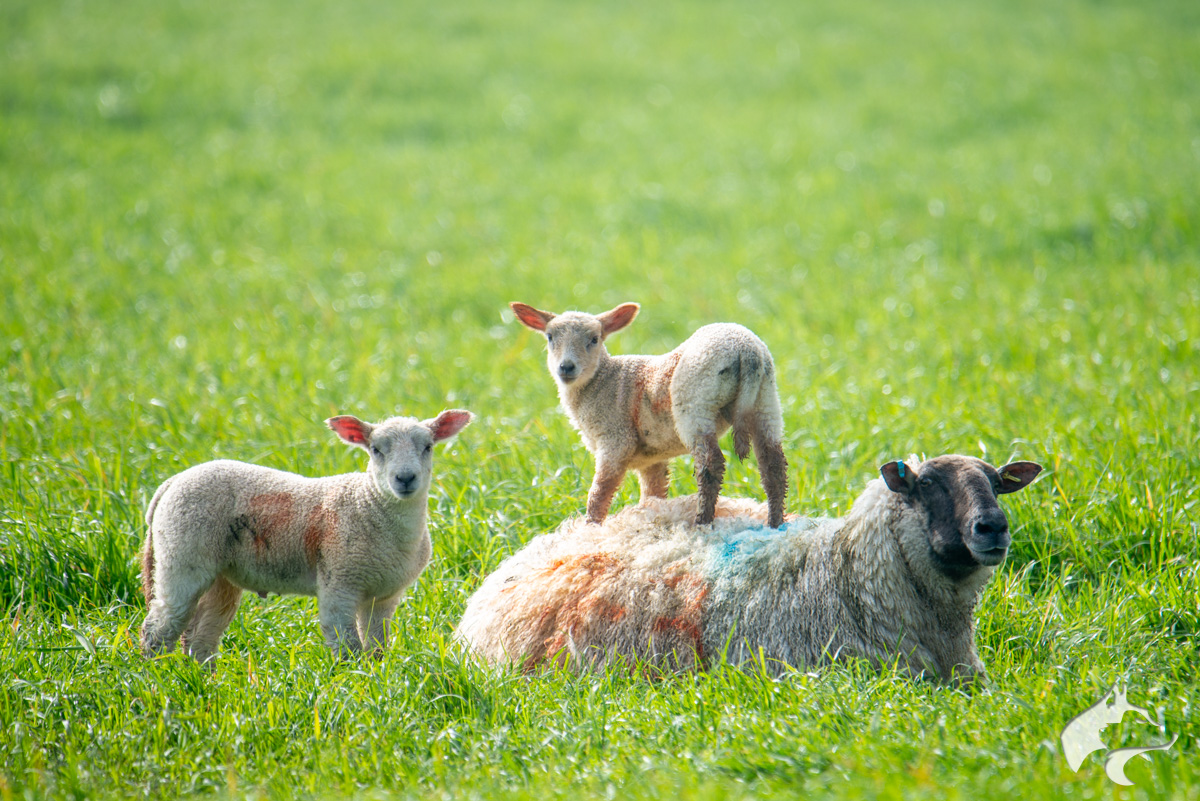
[(594, 341), (549, 339), (375, 451), (428, 448), (927, 482)]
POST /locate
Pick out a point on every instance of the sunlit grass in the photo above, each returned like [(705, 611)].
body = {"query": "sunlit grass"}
[(964, 228)]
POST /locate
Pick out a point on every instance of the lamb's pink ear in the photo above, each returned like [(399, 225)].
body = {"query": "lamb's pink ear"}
[(351, 429), (899, 477), (1017, 475), (531, 317), (614, 320), (448, 423)]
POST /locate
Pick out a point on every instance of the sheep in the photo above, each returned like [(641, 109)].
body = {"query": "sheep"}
[(636, 412), (356, 541), (895, 581)]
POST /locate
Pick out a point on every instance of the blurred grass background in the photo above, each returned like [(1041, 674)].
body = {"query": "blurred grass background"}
[(961, 228)]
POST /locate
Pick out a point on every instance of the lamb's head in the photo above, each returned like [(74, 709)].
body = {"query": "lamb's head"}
[(401, 448), (575, 340), (967, 529)]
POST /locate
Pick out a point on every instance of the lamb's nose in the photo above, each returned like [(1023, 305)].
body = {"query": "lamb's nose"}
[(406, 480), (567, 369)]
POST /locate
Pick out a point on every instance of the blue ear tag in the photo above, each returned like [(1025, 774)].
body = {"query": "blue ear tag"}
[(900, 467)]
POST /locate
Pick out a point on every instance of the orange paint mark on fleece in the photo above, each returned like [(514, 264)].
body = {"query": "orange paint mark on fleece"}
[(269, 514), (660, 383), (683, 630), (319, 527), (578, 583)]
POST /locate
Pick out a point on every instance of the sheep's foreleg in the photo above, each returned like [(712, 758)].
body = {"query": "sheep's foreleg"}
[(710, 472), (604, 486), (374, 622), (654, 480), (338, 610)]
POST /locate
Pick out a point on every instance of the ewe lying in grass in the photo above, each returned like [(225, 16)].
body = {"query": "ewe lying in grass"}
[(897, 579), (356, 541)]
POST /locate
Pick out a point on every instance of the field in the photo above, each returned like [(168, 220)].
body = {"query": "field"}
[(968, 227)]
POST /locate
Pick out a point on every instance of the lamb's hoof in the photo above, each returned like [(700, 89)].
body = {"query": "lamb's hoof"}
[(704, 520)]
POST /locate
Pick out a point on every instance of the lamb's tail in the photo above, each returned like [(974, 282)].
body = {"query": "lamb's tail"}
[(148, 547), (753, 370)]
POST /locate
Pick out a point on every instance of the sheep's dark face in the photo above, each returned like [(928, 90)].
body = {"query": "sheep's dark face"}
[(967, 528), (574, 340)]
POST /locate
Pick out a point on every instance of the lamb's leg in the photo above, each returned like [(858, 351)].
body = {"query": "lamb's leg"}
[(338, 610), (710, 472), (604, 486), (179, 579), (374, 622), (654, 480), (772, 466), (213, 613), (170, 612)]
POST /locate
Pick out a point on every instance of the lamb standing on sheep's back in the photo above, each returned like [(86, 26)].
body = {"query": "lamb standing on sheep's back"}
[(636, 412), (356, 541), (897, 579)]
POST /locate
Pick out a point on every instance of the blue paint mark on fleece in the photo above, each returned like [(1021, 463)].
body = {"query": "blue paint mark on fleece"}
[(739, 551)]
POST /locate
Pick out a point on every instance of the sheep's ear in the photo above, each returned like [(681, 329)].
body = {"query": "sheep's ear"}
[(531, 317), (614, 320), (899, 477), (1017, 475), (448, 423), (351, 429)]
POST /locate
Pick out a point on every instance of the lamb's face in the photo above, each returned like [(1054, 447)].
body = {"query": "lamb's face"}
[(401, 457), (401, 448), (967, 528), (574, 342)]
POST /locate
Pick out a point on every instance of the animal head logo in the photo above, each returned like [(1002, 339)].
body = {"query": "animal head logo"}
[(1081, 736)]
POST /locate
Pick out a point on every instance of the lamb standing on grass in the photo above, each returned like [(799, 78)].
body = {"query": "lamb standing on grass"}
[(896, 580), (636, 412), (356, 541)]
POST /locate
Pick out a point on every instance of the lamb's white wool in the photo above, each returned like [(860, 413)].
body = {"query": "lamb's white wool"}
[(356, 541), (636, 412), (896, 580)]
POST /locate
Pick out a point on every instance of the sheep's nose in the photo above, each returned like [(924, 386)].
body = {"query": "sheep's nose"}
[(991, 529), (567, 369), (406, 480)]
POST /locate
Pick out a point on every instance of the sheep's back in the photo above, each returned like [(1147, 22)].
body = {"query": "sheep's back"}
[(646, 585)]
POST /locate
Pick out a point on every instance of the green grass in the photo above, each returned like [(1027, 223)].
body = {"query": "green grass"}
[(968, 227)]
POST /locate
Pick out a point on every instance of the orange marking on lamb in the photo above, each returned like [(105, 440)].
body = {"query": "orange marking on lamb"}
[(660, 386), (269, 514), (639, 390), (318, 527)]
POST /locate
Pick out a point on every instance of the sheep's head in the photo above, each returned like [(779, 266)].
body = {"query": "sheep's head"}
[(967, 528), (575, 340), (401, 448)]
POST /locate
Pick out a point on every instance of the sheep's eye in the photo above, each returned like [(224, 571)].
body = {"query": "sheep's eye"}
[(428, 448), (594, 341), (375, 451), (927, 482)]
